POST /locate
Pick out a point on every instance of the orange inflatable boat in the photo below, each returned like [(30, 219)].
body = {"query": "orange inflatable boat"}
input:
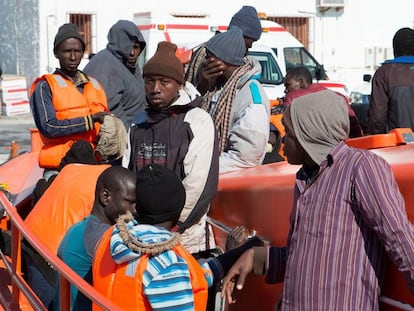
[(259, 198)]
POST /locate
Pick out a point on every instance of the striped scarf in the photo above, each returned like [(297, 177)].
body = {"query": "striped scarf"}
[(222, 111)]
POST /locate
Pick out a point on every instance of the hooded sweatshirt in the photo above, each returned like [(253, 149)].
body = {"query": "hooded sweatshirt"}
[(123, 83)]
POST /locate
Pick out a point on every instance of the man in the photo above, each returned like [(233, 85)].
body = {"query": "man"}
[(67, 200), (147, 260), (236, 101), (392, 96), (117, 70), (175, 133), (114, 196), (66, 105), (348, 215), (248, 21), (298, 81)]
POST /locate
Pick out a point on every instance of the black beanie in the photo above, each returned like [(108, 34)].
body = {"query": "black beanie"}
[(67, 31), (160, 195), (165, 63), (80, 152), (403, 42)]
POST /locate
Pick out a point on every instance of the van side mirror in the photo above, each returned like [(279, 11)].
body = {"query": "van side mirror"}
[(320, 73), (366, 77)]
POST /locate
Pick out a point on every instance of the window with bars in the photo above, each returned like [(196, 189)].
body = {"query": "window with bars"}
[(84, 24)]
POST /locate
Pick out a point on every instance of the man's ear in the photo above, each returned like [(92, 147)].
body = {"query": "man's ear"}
[(104, 196)]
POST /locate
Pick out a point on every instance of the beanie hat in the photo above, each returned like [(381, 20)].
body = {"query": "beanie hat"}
[(246, 19), (165, 63), (403, 42), (160, 195), (67, 31), (80, 152), (228, 46)]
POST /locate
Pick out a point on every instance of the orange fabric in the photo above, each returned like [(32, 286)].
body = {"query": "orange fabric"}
[(68, 200), (112, 281), (70, 103)]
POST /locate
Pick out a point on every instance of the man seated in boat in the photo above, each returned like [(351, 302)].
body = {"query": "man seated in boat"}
[(145, 259), (114, 196)]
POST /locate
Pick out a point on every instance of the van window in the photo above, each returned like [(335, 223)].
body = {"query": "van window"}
[(299, 56), (271, 73)]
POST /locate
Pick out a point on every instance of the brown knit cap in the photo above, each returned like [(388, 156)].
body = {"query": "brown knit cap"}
[(165, 63)]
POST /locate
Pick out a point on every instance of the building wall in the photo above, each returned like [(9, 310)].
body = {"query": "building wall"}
[(19, 38), (339, 39)]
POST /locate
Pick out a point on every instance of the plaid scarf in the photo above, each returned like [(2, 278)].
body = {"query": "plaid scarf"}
[(222, 111)]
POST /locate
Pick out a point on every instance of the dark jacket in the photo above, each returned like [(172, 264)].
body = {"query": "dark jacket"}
[(123, 84), (392, 96)]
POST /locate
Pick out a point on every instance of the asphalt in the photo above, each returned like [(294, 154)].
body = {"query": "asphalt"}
[(15, 128)]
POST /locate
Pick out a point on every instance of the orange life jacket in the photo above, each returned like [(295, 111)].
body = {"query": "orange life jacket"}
[(70, 103), (68, 200), (112, 279)]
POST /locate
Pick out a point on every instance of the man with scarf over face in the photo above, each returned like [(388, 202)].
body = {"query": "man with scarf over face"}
[(175, 133), (117, 70)]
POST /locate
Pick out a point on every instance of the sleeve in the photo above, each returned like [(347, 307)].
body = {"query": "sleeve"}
[(378, 108), (200, 168), (383, 209), (44, 115), (249, 132)]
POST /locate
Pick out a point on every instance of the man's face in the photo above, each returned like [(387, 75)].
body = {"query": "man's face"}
[(120, 201), (161, 91), (133, 56), (292, 148), (69, 53), (249, 42), (291, 84)]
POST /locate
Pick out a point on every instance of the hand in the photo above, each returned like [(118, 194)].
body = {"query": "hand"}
[(99, 116), (212, 69), (241, 268), (237, 237)]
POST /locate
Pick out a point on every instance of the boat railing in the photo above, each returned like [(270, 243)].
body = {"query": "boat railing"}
[(67, 276)]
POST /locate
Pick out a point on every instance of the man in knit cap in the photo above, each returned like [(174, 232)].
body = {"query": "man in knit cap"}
[(236, 101), (247, 20), (66, 105), (174, 132), (392, 95), (348, 214)]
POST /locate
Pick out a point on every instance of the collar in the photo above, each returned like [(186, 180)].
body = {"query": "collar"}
[(81, 77), (305, 177)]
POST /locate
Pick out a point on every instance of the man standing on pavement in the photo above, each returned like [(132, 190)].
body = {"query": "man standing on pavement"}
[(392, 95), (117, 70)]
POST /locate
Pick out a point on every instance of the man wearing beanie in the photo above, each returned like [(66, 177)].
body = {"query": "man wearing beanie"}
[(143, 256), (392, 95), (66, 105), (174, 132), (117, 70), (236, 101), (248, 21)]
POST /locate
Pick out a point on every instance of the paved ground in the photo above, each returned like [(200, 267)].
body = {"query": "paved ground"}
[(15, 128)]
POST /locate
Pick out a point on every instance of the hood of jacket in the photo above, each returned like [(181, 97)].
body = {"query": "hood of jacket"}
[(121, 38), (147, 235)]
